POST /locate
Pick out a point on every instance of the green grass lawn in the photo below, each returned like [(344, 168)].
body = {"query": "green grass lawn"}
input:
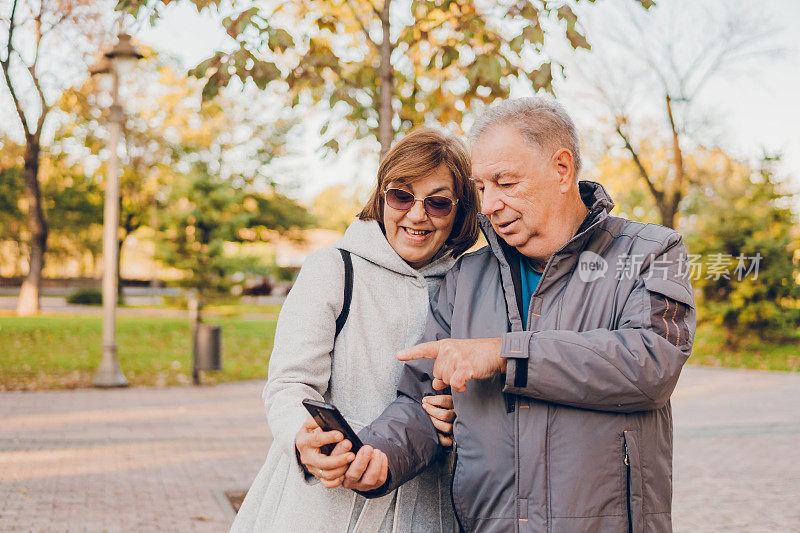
[(709, 349), (232, 309), (236, 309), (48, 352), (56, 352)]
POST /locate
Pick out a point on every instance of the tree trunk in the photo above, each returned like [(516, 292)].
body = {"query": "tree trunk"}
[(28, 303), (667, 216), (386, 73)]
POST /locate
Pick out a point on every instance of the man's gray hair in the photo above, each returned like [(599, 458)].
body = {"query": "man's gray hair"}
[(543, 123)]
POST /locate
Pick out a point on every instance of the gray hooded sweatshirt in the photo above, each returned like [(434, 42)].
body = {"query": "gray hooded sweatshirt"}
[(576, 436), (357, 371)]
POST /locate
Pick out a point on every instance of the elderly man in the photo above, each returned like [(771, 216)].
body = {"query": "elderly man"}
[(561, 340)]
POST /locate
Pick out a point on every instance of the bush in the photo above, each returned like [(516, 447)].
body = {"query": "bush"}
[(745, 214), (86, 297)]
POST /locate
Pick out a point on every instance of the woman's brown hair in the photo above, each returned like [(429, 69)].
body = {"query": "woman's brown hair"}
[(416, 156)]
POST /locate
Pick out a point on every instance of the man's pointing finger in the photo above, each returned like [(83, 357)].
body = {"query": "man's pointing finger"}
[(426, 350)]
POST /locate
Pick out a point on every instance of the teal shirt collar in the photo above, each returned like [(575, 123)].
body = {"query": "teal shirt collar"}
[(530, 280)]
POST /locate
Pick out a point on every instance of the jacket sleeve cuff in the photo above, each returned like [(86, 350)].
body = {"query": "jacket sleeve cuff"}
[(515, 348), (368, 437), (405, 433), (380, 491)]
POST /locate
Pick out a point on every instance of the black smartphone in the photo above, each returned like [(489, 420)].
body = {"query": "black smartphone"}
[(330, 419)]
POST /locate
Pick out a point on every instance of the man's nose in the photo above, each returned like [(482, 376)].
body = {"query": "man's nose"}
[(490, 201), (417, 212)]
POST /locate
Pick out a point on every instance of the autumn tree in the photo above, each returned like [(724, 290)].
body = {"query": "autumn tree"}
[(12, 218), (36, 38), (206, 212), (237, 139), (614, 168), (740, 231), (746, 242), (72, 202), (155, 142), (388, 65), (651, 73), (336, 207)]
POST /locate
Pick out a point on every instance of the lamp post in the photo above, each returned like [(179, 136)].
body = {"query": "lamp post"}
[(113, 64)]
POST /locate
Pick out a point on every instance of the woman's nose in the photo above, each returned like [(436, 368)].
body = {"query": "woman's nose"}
[(417, 212)]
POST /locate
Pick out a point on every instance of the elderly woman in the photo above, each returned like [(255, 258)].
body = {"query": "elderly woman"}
[(421, 216)]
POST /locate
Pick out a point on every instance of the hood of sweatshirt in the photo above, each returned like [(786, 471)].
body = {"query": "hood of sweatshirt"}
[(365, 239)]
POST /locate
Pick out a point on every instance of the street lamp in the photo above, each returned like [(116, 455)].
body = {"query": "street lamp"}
[(115, 63)]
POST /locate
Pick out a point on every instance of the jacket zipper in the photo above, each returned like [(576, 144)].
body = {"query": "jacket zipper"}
[(628, 487), (516, 465), (452, 485)]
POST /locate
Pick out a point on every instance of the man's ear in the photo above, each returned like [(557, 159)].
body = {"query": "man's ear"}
[(565, 167)]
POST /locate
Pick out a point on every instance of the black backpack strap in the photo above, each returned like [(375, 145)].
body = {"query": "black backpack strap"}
[(348, 290)]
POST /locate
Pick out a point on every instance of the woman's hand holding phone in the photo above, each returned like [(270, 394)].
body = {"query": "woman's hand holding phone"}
[(366, 470), (330, 469)]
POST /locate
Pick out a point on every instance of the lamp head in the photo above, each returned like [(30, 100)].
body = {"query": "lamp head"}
[(124, 55), (124, 49)]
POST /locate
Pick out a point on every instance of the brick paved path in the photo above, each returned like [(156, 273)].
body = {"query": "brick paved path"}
[(160, 459), (128, 459), (737, 451)]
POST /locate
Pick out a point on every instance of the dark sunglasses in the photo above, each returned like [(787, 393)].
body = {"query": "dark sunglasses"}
[(435, 205)]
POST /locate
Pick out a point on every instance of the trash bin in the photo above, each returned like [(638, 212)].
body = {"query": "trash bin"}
[(209, 347)]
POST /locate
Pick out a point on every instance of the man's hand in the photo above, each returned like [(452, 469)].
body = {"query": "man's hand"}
[(329, 469), (368, 471), (458, 360)]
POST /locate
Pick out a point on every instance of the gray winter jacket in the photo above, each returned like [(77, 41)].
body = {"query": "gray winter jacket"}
[(577, 434)]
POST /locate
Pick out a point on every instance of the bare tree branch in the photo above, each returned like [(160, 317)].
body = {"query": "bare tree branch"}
[(32, 70), (677, 153), (55, 24), (361, 24), (657, 194), (43, 102), (5, 64), (643, 45), (375, 9), (45, 108), (11, 28)]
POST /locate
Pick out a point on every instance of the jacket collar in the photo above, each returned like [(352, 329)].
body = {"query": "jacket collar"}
[(599, 204)]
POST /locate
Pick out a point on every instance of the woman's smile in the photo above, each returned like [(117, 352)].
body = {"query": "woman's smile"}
[(416, 235)]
